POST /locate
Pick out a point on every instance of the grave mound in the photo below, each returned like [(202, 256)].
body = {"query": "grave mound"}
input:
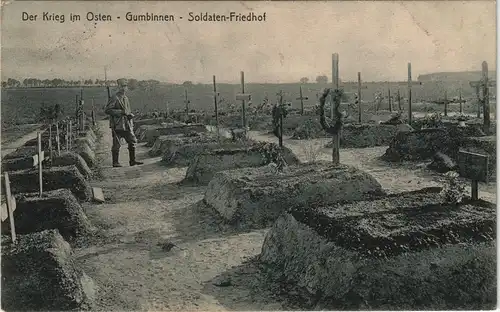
[(310, 129), (180, 154), (423, 144), (369, 135), (24, 152), (26, 181), (39, 273), (149, 121), (45, 141), (160, 144), (71, 158), (407, 251), (154, 122), (151, 135), (442, 163), (206, 164), (257, 196), (85, 140), (57, 209), (17, 163), (84, 150), (485, 145)]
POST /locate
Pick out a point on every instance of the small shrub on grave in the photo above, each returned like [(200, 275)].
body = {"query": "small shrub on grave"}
[(272, 154), (433, 121), (453, 191), (310, 129)]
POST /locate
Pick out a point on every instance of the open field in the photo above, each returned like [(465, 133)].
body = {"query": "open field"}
[(20, 106)]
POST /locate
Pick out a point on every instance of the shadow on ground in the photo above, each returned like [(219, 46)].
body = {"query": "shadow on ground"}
[(198, 221), (250, 286)]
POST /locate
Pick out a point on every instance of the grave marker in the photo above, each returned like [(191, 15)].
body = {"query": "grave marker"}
[(58, 140), (335, 80), (243, 97), (186, 102), (446, 103), (70, 133), (302, 98), (98, 195), (9, 208), (50, 142), (485, 83), (389, 97), (474, 166), (409, 95), (359, 97), (399, 101), (216, 110), (460, 101), (41, 157)]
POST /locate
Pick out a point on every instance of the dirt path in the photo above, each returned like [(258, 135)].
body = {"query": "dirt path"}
[(145, 208), (11, 146)]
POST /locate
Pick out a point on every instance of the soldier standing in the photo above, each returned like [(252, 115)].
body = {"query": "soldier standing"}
[(121, 124)]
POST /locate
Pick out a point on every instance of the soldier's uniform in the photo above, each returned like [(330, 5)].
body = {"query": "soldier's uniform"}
[(121, 124)]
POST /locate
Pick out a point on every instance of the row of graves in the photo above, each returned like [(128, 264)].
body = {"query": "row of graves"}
[(45, 185), (335, 233)]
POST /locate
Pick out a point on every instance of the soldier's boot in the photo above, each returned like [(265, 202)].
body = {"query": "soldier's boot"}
[(131, 153), (114, 155)]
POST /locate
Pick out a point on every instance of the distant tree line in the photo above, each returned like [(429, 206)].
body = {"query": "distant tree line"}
[(58, 83), (322, 79)]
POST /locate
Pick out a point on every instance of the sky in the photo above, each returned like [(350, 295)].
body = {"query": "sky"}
[(297, 40)]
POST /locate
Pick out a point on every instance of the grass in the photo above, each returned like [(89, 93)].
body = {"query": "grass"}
[(11, 133), (21, 106), (311, 151)]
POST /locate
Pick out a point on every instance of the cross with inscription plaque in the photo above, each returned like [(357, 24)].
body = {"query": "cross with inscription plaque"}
[(302, 98), (485, 83), (243, 97)]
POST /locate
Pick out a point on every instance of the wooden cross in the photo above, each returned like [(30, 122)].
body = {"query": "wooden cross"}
[(399, 101), (409, 95), (58, 140), (186, 102), (216, 110), (243, 97), (50, 142), (359, 97), (302, 98), (81, 116), (460, 101), (474, 166), (335, 137), (485, 83), (38, 160), (68, 135), (335, 79), (445, 102), (7, 210)]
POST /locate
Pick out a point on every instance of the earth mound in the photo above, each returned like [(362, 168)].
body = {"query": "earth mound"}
[(70, 158), (369, 135), (39, 273), (257, 196), (205, 165), (57, 209), (26, 181), (181, 155), (407, 251)]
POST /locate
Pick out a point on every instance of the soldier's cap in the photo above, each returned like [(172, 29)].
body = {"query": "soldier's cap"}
[(122, 82)]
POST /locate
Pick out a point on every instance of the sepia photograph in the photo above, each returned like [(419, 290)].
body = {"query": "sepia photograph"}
[(248, 155)]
